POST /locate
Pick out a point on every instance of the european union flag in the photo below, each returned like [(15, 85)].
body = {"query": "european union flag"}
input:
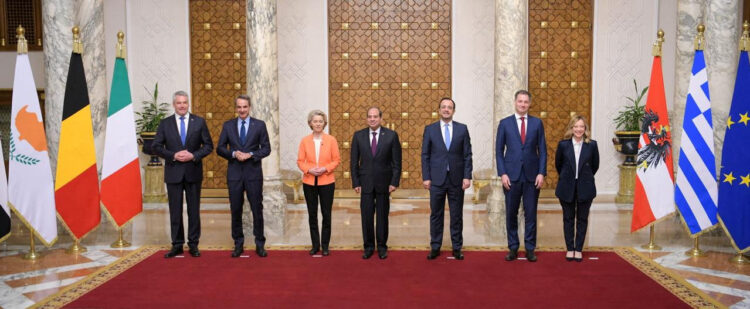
[(734, 186)]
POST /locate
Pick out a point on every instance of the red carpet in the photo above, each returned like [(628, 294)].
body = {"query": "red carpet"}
[(406, 279)]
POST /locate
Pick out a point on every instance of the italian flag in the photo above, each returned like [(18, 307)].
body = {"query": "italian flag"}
[(121, 172)]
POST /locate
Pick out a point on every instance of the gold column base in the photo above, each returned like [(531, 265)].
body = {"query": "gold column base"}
[(32, 255), (76, 248), (154, 191), (739, 259), (627, 184)]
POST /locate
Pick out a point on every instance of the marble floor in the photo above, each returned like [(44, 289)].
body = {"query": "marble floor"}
[(23, 282)]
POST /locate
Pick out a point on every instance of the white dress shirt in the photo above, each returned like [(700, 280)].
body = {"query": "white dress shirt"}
[(525, 120), (187, 122), (377, 133), (577, 149), (450, 129)]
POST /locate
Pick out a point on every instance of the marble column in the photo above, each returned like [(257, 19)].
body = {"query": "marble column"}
[(511, 72), (690, 14), (723, 29), (59, 17), (263, 88)]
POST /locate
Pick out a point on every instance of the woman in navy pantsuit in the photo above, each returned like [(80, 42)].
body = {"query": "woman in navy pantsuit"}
[(576, 161)]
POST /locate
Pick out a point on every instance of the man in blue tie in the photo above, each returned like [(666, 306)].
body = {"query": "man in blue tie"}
[(183, 140), (244, 142), (521, 154), (446, 172)]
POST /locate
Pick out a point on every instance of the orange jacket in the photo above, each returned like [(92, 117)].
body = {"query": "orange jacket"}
[(329, 158)]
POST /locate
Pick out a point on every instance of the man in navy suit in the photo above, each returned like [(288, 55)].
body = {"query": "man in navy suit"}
[(244, 142), (376, 172), (446, 171), (521, 153), (183, 140)]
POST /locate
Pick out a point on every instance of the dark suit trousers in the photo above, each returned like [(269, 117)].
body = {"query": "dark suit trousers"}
[(526, 191), (254, 191), (455, 195), (575, 213), (324, 194), (369, 204), (192, 195)]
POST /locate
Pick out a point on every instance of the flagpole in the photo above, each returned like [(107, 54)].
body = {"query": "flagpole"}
[(32, 255), (651, 245), (696, 251), (120, 53)]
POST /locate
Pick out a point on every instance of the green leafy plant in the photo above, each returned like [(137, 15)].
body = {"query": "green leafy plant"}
[(630, 117), (153, 112)]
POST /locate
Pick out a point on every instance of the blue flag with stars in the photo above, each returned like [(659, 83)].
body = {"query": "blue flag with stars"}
[(734, 185)]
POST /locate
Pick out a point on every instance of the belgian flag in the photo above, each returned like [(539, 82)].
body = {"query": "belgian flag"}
[(77, 183)]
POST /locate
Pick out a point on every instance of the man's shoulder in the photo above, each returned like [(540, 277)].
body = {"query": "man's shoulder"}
[(511, 118), (362, 131), (257, 121)]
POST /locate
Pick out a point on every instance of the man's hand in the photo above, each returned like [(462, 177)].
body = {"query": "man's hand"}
[(183, 156), (357, 189), (241, 156), (506, 181), (426, 184), (391, 189), (466, 184), (539, 181)]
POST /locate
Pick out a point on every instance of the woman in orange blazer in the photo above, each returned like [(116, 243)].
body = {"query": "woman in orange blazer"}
[(318, 156)]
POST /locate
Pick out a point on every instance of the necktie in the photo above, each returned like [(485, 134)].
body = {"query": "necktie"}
[(523, 130), (447, 137), (374, 144), (243, 135), (182, 130)]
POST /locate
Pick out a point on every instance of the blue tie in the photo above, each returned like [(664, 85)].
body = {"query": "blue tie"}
[(447, 137), (243, 135), (182, 130)]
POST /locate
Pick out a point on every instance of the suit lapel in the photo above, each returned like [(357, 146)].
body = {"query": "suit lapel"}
[(571, 153), (173, 126), (515, 128), (381, 140)]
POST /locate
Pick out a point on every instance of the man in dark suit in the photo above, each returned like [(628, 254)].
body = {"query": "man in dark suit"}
[(446, 171), (183, 140), (375, 172), (521, 153), (244, 142)]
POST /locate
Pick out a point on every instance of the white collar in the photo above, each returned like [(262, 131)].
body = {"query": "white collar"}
[(518, 116)]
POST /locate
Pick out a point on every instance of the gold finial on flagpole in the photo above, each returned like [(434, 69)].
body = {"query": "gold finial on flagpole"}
[(23, 48), (77, 45), (700, 42), (120, 45), (656, 50), (745, 39)]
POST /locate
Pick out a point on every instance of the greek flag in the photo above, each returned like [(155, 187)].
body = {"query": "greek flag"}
[(696, 194)]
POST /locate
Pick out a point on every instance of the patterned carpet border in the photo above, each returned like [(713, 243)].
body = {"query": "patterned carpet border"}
[(691, 295)]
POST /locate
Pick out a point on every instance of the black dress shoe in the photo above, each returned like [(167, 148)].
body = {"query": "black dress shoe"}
[(326, 252), (194, 252), (457, 254), (237, 251), (261, 252), (530, 256), (433, 254), (175, 251), (512, 255), (313, 251), (367, 254), (383, 254)]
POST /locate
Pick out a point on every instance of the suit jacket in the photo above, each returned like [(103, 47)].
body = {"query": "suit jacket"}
[(565, 163), (197, 141), (375, 173), (511, 154), (329, 157), (436, 159), (256, 142)]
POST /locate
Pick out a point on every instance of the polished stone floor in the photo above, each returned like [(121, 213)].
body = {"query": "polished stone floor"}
[(23, 283)]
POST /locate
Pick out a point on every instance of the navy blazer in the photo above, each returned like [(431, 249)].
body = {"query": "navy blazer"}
[(565, 163), (375, 173), (436, 160), (511, 154), (256, 141), (197, 141)]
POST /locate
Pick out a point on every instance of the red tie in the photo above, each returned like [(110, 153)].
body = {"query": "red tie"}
[(523, 131)]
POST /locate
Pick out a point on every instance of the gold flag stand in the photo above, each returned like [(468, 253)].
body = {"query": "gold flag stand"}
[(651, 245), (696, 251), (76, 248), (739, 259), (32, 255), (120, 242)]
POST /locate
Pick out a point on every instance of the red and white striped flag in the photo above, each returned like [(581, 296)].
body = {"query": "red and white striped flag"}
[(654, 182)]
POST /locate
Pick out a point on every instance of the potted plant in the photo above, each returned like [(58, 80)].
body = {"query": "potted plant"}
[(628, 123), (148, 120)]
